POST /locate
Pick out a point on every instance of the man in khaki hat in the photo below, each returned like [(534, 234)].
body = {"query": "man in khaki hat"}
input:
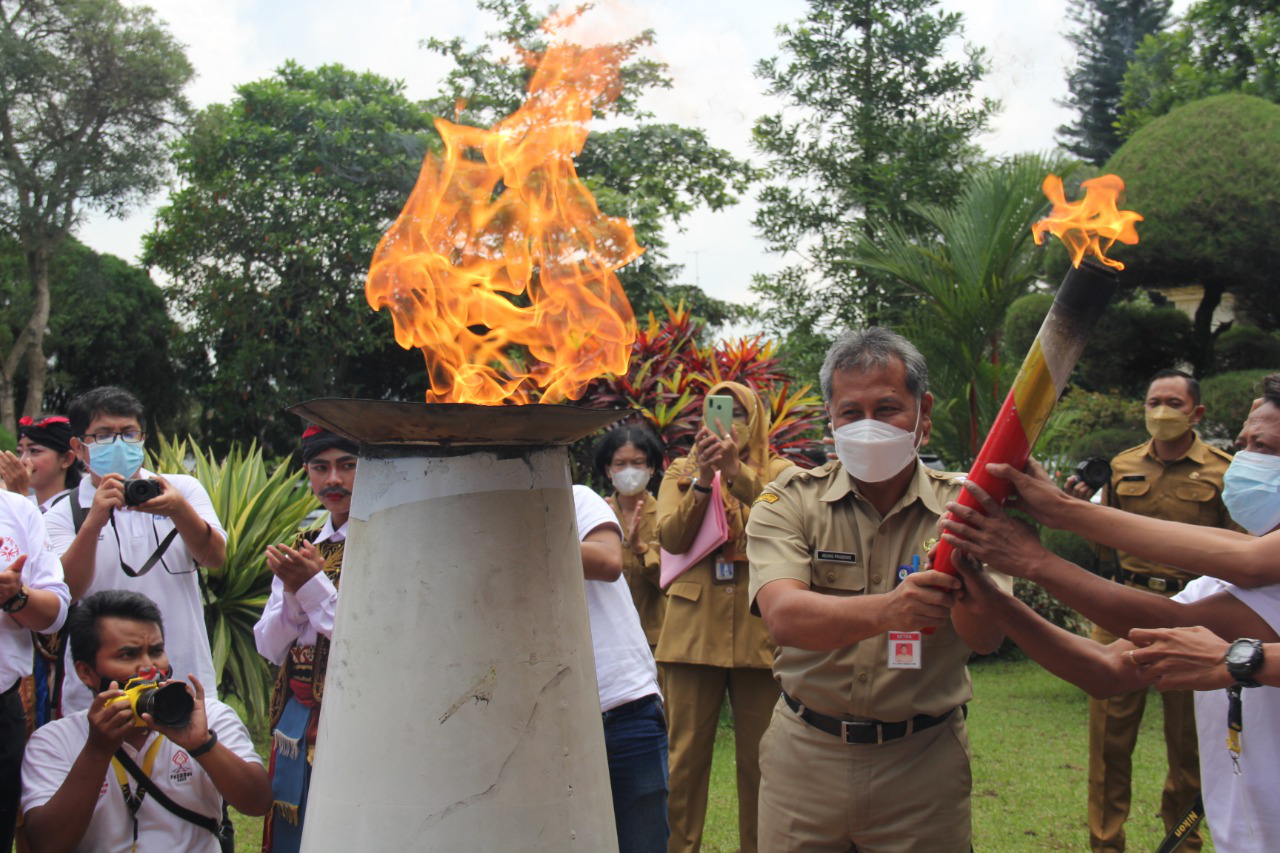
[(867, 747), (1176, 477)]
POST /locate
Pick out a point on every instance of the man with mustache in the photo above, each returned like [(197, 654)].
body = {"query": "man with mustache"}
[(295, 630)]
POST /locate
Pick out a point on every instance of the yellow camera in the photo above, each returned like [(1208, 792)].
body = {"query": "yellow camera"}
[(168, 702)]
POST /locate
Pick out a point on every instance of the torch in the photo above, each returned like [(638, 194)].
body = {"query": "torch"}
[(1085, 291)]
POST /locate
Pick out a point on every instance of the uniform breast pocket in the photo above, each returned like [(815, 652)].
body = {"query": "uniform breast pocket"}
[(1197, 499), (837, 576), (1195, 492), (1132, 488), (685, 591)]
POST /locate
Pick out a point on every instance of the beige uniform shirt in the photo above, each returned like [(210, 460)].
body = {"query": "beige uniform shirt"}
[(1187, 490), (814, 527), (709, 622), (642, 570)]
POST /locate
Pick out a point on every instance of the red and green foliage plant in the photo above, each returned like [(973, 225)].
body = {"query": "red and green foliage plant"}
[(670, 373)]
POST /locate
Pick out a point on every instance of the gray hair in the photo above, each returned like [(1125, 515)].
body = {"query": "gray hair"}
[(864, 349)]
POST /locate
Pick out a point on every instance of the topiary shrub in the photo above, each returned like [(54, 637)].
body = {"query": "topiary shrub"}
[(1246, 348), (1227, 398)]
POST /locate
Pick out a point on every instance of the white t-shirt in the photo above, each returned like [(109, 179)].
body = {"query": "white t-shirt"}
[(54, 747), (299, 617), (1241, 809), (22, 531), (625, 670), (172, 582)]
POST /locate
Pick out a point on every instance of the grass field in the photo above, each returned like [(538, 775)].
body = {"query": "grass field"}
[(1029, 734)]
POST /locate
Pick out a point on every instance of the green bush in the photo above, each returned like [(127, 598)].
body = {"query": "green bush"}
[(1246, 348), (258, 506), (7, 441), (1087, 423), (1227, 398)]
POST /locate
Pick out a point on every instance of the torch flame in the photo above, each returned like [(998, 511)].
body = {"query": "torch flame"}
[(1085, 225), (501, 250)]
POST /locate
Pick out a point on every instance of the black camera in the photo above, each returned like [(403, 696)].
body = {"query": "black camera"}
[(140, 491), (1094, 472)]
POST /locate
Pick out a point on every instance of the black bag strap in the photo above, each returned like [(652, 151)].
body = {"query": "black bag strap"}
[(78, 513), (203, 821)]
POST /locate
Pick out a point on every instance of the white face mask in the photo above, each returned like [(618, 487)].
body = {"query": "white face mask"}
[(631, 481), (1251, 491), (873, 451)]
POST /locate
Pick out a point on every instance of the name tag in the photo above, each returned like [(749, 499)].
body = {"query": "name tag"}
[(724, 570), (904, 650), (837, 557)]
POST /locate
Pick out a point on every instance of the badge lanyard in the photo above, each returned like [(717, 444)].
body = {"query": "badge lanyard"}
[(1235, 723), (132, 800)]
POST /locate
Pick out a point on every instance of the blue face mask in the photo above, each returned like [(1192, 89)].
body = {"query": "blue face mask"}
[(118, 457), (1251, 491)]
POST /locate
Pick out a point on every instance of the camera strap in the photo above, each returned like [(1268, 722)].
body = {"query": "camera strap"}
[(123, 762), (133, 801), (155, 557)]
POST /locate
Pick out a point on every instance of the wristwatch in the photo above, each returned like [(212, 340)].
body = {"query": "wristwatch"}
[(1244, 658), (17, 602)]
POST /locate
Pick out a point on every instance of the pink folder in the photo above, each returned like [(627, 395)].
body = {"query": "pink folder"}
[(713, 533)]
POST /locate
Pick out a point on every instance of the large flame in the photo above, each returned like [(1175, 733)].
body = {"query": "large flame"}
[(501, 267), (1091, 225)]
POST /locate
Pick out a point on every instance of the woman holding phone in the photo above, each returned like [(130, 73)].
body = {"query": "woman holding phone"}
[(709, 642)]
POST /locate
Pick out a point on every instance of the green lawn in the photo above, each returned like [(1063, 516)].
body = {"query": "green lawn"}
[(1029, 733)]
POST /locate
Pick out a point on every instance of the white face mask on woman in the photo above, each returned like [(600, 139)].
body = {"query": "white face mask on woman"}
[(873, 451), (631, 481)]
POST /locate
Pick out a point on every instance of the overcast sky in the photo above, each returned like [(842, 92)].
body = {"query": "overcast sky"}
[(711, 47)]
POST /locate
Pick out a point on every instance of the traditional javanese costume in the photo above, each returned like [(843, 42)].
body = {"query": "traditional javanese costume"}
[(42, 690), (294, 633)]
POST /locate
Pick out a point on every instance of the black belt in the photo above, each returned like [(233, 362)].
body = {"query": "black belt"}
[(1154, 583), (11, 690), (629, 707), (867, 731)]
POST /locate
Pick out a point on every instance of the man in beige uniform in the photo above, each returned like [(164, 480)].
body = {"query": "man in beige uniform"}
[(1176, 477), (867, 747)]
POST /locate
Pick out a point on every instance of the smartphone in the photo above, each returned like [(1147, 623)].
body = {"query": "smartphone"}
[(717, 413)]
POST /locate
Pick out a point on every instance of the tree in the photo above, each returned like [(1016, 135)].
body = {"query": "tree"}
[(89, 91), (1221, 46), (982, 260), (1107, 37), (1204, 176), (109, 326), (286, 192), (654, 174), (876, 118)]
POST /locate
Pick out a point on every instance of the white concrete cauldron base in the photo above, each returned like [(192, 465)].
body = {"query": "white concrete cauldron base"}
[(460, 704)]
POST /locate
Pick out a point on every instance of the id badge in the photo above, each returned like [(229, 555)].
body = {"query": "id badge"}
[(724, 570), (904, 649)]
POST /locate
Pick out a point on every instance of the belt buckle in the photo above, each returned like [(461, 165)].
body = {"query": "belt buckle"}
[(1158, 584), (846, 727)]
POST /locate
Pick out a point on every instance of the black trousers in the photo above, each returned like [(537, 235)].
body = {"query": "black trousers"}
[(13, 737)]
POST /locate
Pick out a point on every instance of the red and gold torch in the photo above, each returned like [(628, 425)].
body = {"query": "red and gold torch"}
[(1090, 226)]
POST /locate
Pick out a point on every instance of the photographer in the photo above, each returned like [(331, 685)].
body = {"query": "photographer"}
[(78, 791), (1176, 477), (154, 547)]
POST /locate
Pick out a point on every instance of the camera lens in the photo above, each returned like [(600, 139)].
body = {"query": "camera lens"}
[(140, 491), (169, 704), (1094, 472)]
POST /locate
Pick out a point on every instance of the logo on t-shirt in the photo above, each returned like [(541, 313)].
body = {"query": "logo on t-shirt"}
[(181, 772), (8, 549)]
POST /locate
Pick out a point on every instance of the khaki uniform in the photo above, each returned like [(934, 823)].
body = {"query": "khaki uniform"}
[(711, 643), (1188, 490), (643, 570), (818, 792)]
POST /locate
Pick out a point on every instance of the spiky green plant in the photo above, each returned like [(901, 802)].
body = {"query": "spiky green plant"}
[(258, 505)]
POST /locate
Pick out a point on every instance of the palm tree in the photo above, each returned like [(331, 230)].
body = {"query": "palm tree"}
[(976, 258)]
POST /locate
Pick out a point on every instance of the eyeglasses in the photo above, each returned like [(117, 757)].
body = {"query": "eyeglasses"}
[(129, 436)]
